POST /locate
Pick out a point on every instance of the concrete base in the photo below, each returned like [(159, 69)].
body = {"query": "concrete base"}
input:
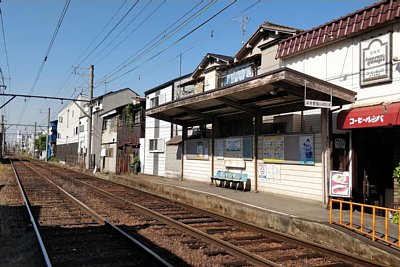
[(308, 231)]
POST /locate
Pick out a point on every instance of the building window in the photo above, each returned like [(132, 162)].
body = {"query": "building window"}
[(157, 100), (106, 122), (60, 119), (81, 128), (137, 117), (238, 74), (59, 136), (156, 145)]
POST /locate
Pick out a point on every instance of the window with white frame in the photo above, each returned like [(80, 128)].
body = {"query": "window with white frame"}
[(156, 145), (157, 100)]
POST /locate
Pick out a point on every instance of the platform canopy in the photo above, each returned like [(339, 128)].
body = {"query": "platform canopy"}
[(279, 91)]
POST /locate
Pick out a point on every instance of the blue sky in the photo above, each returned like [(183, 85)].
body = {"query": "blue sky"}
[(29, 26)]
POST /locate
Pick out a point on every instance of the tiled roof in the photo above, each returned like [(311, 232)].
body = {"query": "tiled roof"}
[(377, 14)]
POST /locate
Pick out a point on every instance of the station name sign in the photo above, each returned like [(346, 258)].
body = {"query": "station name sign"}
[(317, 103), (375, 57)]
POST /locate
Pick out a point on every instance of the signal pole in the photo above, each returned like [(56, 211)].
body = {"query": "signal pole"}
[(89, 148)]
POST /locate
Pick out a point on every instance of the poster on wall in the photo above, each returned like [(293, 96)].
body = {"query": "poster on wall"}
[(306, 143), (274, 148), (375, 57), (289, 149), (199, 150), (340, 184), (269, 171), (232, 144), (262, 172)]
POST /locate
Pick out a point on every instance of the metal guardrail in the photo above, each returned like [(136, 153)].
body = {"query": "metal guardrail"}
[(371, 221)]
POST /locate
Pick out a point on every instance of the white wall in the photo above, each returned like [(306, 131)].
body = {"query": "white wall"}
[(71, 115), (156, 129), (339, 63)]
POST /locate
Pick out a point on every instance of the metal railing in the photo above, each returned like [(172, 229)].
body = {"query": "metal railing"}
[(369, 220)]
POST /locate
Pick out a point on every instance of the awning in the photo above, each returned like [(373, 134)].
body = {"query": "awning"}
[(274, 92), (372, 116)]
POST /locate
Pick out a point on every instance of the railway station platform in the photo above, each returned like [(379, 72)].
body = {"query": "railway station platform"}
[(302, 219)]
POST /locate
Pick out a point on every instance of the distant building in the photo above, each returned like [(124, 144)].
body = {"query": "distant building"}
[(68, 133), (120, 140)]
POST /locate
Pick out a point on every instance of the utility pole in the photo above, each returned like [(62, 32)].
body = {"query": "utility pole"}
[(34, 142), (47, 136), (89, 148), (2, 137)]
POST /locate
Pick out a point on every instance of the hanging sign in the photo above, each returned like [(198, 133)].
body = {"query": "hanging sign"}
[(317, 103)]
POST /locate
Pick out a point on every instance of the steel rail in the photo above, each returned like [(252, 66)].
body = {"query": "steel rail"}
[(331, 251), (148, 253), (32, 219), (232, 249)]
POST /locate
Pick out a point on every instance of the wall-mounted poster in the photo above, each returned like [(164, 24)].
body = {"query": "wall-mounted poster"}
[(306, 144), (274, 148), (232, 144), (289, 149), (376, 60), (340, 184)]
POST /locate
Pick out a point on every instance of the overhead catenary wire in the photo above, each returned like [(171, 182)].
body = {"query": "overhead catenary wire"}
[(60, 20), (5, 44), (69, 74)]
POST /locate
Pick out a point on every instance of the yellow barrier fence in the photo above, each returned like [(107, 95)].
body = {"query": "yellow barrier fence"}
[(369, 220)]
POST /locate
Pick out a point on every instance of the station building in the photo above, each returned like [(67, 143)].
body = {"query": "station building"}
[(293, 107), (360, 52), (247, 115)]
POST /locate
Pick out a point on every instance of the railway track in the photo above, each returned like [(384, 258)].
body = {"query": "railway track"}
[(196, 237), (71, 234)]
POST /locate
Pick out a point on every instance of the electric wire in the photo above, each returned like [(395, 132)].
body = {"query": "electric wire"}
[(134, 30), (5, 44), (70, 75), (196, 42), (149, 46), (60, 20), (100, 32), (177, 41), (109, 33)]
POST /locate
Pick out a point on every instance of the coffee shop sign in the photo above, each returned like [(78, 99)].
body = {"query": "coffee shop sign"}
[(372, 119)]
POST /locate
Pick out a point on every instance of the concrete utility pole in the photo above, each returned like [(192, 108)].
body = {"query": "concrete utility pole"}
[(34, 142), (2, 137), (47, 136), (89, 148)]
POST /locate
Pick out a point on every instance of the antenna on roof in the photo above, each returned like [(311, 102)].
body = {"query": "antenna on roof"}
[(243, 21)]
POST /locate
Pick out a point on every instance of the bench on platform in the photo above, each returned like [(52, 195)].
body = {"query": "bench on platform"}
[(227, 178)]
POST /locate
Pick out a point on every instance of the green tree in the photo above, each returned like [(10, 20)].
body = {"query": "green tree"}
[(40, 142)]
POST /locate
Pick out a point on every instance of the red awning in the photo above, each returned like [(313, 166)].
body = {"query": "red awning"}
[(373, 116)]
